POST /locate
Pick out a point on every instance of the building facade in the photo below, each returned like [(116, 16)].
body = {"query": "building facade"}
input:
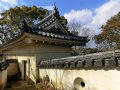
[(30, 46), (43, 54)]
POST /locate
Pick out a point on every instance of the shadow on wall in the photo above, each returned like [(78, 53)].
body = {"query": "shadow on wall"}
[(79, 84), (82, 78), (46, 84), (16, 76), (13, 78), (29, 80)]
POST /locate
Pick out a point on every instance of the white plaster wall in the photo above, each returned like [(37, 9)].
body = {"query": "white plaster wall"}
[(3, 79), (30, 67), (33, 67), (33, 53), (22, 53), (12, 69), (47, 52), (95, 79)]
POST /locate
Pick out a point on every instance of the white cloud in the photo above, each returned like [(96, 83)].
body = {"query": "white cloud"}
[(6, 4), (79, 16), (93, 19), (11, 2), (103, 13), (96, 18), (48, 7)]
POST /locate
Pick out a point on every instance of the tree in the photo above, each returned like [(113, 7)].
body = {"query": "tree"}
[(12, 18), (110, 37), (64, 20)]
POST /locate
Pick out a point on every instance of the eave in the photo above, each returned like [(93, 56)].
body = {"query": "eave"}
[(55, 32), (40, 38)]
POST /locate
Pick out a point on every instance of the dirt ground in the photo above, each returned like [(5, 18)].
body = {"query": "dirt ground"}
[(22, 85)]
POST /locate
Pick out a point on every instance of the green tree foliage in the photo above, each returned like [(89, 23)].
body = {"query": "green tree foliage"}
[(12, 18), (110, 37), (64, 20)]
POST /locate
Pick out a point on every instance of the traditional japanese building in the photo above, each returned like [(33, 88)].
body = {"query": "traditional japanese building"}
[(43, 54), (25, 49)]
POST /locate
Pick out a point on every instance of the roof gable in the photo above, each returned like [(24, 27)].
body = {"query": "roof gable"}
[(53, 20), (50, 27), (55, 26)]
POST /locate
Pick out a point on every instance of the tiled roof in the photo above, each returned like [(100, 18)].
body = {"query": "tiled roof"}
[(40, 30), (3, 65), (45, 19), (60, 36), (103, 59)]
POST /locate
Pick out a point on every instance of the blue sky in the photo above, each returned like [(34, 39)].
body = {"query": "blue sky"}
[(88, 15), (65, 6)]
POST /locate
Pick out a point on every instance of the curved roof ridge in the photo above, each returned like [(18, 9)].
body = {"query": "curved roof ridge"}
[(49, 16), (46, 18)]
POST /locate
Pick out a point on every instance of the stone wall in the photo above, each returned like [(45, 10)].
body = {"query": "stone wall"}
[(99, 71)]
